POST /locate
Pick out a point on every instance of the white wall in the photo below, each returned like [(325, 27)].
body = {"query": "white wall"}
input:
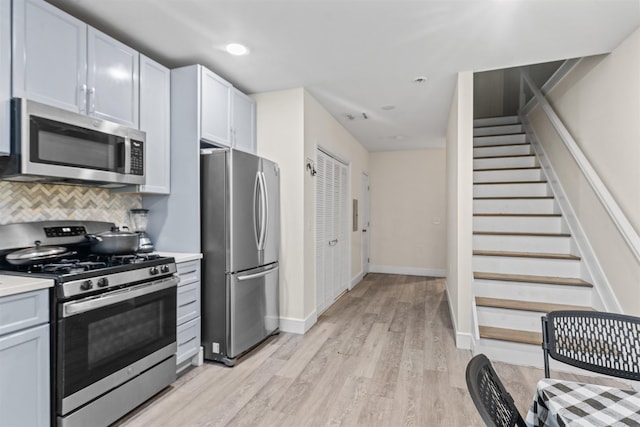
[(291, 124), (599, 102), (281, 138), (459, 158), (408, 210)]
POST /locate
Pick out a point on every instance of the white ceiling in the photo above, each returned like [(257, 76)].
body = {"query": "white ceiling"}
[(356, 56)]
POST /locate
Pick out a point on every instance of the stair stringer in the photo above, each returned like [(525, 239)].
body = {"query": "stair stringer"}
[(604, 298)]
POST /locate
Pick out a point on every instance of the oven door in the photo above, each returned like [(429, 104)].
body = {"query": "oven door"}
[(106, 340)]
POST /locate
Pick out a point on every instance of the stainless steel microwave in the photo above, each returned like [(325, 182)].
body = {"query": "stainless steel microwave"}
[(52, 145)]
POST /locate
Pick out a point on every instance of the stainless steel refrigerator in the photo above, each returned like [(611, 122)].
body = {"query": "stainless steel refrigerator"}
[(240, 211)]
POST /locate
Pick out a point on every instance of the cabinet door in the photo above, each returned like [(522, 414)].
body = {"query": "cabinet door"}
[(24, 377), (5, 75), (155, 90), (215, 103), (49, 56), (244, 121), (113, 79)]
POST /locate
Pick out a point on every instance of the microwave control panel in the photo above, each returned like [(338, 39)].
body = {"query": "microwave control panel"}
[(137, 157)]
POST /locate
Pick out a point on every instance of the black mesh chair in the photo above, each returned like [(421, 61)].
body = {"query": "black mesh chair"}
[(605, 343), (494, 403)]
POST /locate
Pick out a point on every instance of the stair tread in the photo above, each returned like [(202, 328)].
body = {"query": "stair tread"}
[(549, 280), (502, 145), (544, 255), (537, 306), (511, 197), (511, 182), (508, 169), (493, 136), (514, 335), (520, 233), (507, 156), (519, 214)]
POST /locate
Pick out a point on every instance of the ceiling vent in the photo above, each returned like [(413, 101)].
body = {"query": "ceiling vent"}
[(356, 116)]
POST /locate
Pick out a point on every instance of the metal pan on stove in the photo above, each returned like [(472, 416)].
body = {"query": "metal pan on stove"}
[(36, 254)]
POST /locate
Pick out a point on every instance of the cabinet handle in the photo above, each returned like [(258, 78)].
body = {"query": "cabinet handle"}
[(82, 98), (186, 342), (92, 100)]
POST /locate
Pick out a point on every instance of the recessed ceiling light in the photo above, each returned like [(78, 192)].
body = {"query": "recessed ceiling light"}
[(388, 107), (237, 49)]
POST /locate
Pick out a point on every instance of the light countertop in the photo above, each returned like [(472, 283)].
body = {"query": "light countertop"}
[(181, 256), (11, 285)]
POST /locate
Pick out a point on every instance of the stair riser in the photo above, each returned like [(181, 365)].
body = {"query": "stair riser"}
[(503, 150), (532, 206), (517, 224), (508, 175), (511, 319), (506, 190), (574, 295), (536, 244), (497, 130), (526, 266), (505, 162), (510, 352), (480, 141), (496, 121)]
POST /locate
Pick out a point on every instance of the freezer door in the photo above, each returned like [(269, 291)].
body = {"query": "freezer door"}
[(253, 307), (244, 215), (271, 183)]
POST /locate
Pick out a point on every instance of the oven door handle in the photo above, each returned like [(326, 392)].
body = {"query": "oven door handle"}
[(76, 307)]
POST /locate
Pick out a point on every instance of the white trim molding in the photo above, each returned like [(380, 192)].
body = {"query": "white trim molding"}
[(298, 326), (464, 340), (409, 271), (611, 206), (602, 287), (355, 280)]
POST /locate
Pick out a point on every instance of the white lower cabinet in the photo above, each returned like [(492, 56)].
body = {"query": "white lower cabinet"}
[(188, 315), (24, 359)]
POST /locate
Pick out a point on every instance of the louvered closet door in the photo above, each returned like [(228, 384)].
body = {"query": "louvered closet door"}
[(332, 248)]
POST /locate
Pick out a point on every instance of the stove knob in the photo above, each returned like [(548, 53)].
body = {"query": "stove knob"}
[(164, 269), (103, 282), (86, 285), (153, 271)]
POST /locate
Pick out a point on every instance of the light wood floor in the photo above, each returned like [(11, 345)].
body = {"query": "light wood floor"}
[(382, 355)]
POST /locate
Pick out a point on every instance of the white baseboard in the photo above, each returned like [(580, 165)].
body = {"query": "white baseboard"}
[(298, 326), (356, 280), (409, 271), (464, 340)]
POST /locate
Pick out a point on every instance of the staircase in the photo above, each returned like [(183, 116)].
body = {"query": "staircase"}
[(525, 262)]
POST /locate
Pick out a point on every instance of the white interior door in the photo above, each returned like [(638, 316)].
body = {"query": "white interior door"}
[(332, 234), (364, 214)]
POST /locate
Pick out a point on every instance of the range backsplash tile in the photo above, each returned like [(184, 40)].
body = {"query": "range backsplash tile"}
[(20, 202)]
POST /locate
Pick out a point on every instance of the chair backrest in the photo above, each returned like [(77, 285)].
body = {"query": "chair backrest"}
[(494, 403), (606, 343)]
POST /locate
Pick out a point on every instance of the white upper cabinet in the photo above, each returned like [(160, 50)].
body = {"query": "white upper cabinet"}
[(50, 55), (215, 108), (5, 76), (155, 118), (112, 79), (59, 60), (243, 116)]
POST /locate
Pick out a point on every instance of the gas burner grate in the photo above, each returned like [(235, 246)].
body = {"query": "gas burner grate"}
[(114, 260), (66, 266)]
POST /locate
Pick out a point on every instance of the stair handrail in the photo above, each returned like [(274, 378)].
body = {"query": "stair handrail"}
[(618, 217)]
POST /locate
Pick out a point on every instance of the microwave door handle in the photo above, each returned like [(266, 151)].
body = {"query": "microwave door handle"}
[(126, 163)]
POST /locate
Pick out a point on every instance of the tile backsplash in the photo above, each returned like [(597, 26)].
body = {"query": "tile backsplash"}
[(20, 202)]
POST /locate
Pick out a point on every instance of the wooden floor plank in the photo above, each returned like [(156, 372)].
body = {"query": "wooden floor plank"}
[(376, 358)]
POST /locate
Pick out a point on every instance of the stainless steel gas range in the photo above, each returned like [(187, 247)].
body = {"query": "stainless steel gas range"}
[(113, 318)]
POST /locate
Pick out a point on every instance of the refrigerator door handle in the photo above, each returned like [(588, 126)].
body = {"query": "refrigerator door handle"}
[(257, 275), (257, 210), (265, 212)]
